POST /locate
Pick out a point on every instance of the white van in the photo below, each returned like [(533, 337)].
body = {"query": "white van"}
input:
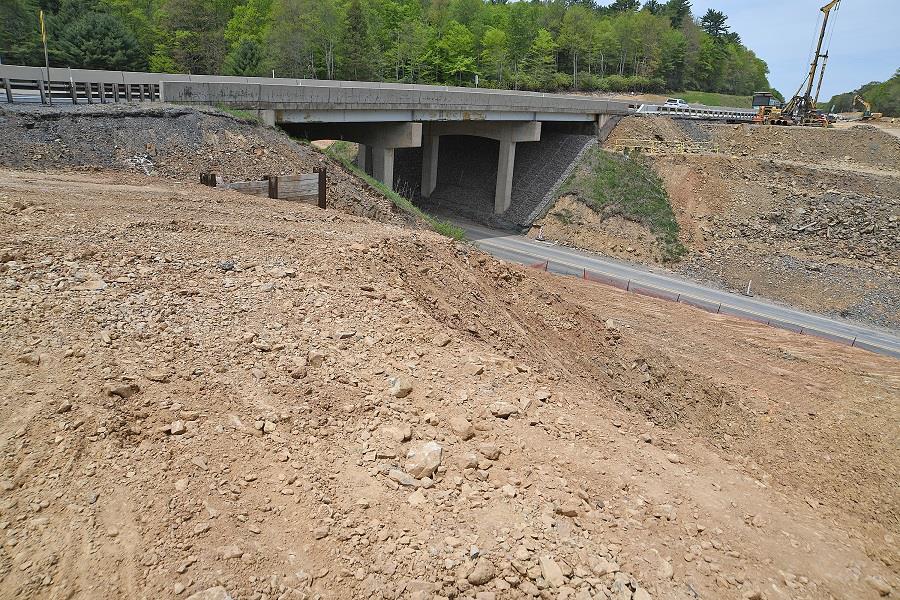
[(677, 103)]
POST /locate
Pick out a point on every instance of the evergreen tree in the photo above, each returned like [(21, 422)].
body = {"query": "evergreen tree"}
[(654, 7), (625, 6), (357, 58), (19, 33), (679, 11), (713, 23), (96, 40), (245, 59)]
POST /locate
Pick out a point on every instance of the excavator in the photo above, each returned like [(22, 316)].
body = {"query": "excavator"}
[(801, 109), (867, 115)]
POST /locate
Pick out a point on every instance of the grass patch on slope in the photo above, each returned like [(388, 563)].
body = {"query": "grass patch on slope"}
[(712, 99), (343, 152), (616, 185), (246, 115)]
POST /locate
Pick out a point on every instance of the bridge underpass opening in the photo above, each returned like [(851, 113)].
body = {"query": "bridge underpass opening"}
[(467, 174), (497, 173)]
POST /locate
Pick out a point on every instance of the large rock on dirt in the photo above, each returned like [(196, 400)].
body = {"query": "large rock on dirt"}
[(424, 461), (213, 593)]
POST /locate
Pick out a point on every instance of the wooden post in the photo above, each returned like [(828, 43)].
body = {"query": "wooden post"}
[(322, 171), (73, 91), (273, 186), (128, 92), (89, 88), (141, 88), (101, 87), (41, 91), (9, 96), (115, 92)]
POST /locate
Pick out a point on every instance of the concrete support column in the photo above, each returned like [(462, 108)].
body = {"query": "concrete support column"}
[(430, 146), (361, 157), (267, 117), (605, 126), (505, 165), (383, 165)]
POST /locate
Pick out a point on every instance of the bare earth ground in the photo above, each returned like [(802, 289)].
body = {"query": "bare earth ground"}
[(200, 389), (810, 216)]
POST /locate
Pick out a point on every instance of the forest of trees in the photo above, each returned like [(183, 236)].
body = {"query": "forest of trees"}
[(883, 96), (535, 45)]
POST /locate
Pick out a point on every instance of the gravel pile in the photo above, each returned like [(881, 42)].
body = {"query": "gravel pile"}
[(174, 142)]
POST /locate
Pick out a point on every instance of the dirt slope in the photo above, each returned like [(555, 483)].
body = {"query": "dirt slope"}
[(200, 389), (810, 216), (176, 142)]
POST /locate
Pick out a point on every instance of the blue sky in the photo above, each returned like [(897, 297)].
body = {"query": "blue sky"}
[(865, 45)]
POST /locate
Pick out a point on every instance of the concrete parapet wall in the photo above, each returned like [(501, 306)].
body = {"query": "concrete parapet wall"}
[(297, 103)]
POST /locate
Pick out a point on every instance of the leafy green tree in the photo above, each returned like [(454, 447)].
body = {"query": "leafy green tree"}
[(540, 59), (250, 20), (575, 37), (194, 34), (303, 38), (494, 53), (453, 54)]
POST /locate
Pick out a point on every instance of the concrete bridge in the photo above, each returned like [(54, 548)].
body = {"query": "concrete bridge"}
[(385, 117), (382, 117)]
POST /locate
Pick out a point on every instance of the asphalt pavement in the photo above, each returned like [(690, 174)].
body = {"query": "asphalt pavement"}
[(567, 261)]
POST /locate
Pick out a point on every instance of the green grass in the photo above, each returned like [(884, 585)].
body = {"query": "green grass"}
[(343, 152), (612, 185), (245, 115), (712, 99)]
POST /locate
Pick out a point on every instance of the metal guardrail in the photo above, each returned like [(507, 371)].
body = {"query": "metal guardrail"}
[(698, 112), (722, 308), (665, 146)]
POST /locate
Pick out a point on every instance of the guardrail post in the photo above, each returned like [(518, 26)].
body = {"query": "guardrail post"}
[(41, 91), (273, 186), (89, 88), (9, 96), (115, 92), (128, 92), (72, 91), (141, 91), (322, 185)]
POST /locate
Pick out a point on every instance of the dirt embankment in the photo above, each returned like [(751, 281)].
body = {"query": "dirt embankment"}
[(173, 142), (810, 216), (201, 389)]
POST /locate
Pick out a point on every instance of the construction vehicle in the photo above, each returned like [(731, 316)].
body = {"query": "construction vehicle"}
[(801, 108), (867, 115)]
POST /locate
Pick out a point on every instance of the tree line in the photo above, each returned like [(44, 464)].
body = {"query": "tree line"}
[(883, 96), (546, 45)]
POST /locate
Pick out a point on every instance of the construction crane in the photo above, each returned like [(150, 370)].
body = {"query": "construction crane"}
[(801, 109)]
